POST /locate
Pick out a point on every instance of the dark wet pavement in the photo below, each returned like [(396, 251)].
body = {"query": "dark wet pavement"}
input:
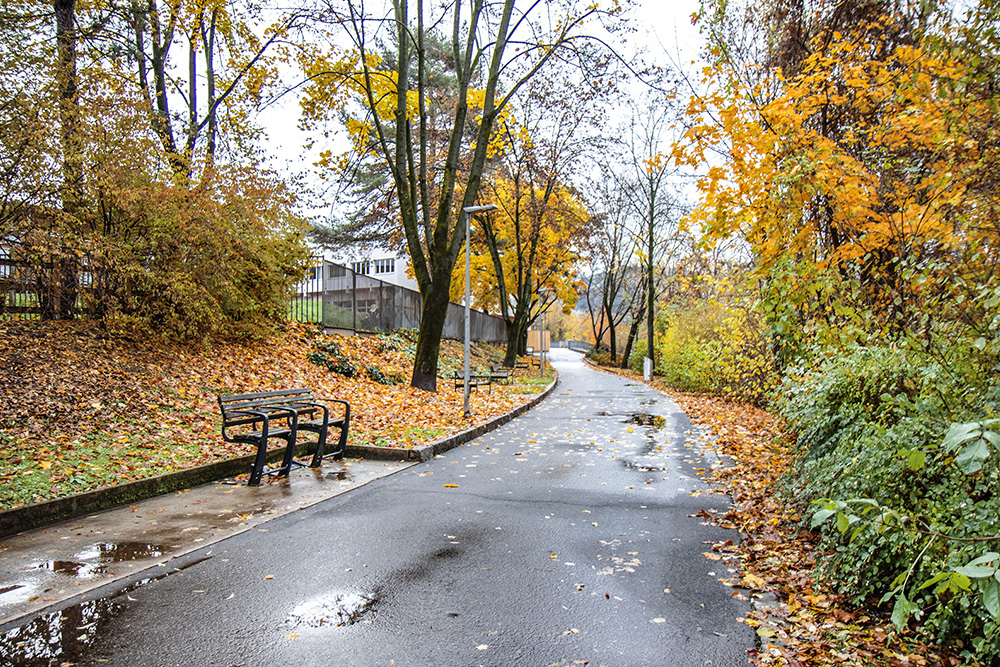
[(48, 566), (566, 537)]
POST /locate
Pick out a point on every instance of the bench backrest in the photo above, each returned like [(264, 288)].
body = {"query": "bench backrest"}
[(259, 401)]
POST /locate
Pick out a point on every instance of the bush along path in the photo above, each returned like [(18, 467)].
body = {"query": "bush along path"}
[(81, 409), (799, 619)]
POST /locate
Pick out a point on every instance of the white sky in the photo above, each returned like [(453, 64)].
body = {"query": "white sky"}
[(668, 27)]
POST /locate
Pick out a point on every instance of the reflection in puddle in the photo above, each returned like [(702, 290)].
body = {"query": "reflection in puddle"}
[(336, 610), (59, 636), (95, 559), (63, 637), (648, 465), (127, 551), (69, 567), (644, 419)]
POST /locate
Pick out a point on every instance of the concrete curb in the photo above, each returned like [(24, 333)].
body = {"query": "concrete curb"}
[(33, 516), (429, 451)]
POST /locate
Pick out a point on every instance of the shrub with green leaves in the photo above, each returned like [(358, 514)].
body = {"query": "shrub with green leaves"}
[(376, 374), (904, 475), (716, 349), (329, 355), (639, 352)]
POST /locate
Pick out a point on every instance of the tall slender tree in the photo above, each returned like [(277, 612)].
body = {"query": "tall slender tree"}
[(652, 201), (535, 239), (496, 49)]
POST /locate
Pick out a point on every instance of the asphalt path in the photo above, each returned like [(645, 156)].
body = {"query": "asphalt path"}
[(569, 536)]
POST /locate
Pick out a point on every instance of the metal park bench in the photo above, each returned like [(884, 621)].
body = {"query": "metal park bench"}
[(254, 418)]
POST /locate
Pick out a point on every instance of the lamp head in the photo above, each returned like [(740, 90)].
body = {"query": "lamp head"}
[(479, 209)]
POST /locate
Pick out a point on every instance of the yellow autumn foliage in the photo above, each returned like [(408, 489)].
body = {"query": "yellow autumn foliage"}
[(859, 168), (716, 345)]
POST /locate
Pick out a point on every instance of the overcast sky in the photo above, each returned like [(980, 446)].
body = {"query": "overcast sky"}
[(667, 27)]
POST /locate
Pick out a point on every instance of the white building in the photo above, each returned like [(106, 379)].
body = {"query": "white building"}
[(380, 264)]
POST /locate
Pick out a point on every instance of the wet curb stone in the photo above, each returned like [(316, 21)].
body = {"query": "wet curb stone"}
[(33, 516)]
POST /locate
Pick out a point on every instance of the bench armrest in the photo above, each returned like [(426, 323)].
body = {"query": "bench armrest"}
[(309, 406), (347, 406), (275, 412), (261, 415)]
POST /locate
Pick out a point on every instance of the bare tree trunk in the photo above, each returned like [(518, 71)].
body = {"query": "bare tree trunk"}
[(633, 330), (432, 316), (611, 332), (650, 287), (63, 276)]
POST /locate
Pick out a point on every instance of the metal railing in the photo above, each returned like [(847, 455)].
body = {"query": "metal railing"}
[(30, 290), (338, 297), (578, 345)]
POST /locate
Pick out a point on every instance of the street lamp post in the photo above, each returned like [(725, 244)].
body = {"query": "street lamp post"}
[(543, 292), (541, 348), (468, 211)]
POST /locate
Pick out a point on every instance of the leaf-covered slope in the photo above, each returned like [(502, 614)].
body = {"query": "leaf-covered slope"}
[(80, 409)]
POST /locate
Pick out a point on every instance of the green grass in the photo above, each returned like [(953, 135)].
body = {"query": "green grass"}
[(101, 458), (532, 384), (306, 310), (409, 435)]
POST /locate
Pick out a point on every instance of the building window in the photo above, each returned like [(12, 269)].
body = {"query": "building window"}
[(385, 265), (336, 271), (362, 268)]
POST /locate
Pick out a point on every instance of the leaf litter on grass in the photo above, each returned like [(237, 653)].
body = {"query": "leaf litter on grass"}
[(81, 409)]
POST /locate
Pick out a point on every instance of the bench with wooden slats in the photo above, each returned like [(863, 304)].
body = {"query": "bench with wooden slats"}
[(500, 374), (253, 419), (474, 381)]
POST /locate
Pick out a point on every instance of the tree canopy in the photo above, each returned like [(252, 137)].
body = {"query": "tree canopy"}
[(122, 207)]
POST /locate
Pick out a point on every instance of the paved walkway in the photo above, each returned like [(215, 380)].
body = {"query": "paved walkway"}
[(569, 536), (47, 566)]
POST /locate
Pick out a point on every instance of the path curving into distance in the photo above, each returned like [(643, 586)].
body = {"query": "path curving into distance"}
[(566, 537)]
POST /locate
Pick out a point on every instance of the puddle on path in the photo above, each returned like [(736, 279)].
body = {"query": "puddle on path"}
[(645, 419), (647, 465), (63, 637), (95, 559), (339, 475), (337, 610), (58, 637)]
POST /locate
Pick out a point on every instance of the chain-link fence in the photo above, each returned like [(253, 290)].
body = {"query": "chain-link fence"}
[(57, 283), (341, 298)]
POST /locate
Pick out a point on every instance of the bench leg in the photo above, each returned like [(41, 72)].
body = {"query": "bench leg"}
[(337, 454), (317, 460), (286, 461), (342, 443), (257, 467)]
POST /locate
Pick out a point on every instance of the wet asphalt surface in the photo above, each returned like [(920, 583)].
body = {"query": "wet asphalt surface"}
[(566, 537)]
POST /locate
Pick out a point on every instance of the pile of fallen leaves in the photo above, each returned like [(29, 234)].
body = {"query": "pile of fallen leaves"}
[(80, 409), (799, 619)]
